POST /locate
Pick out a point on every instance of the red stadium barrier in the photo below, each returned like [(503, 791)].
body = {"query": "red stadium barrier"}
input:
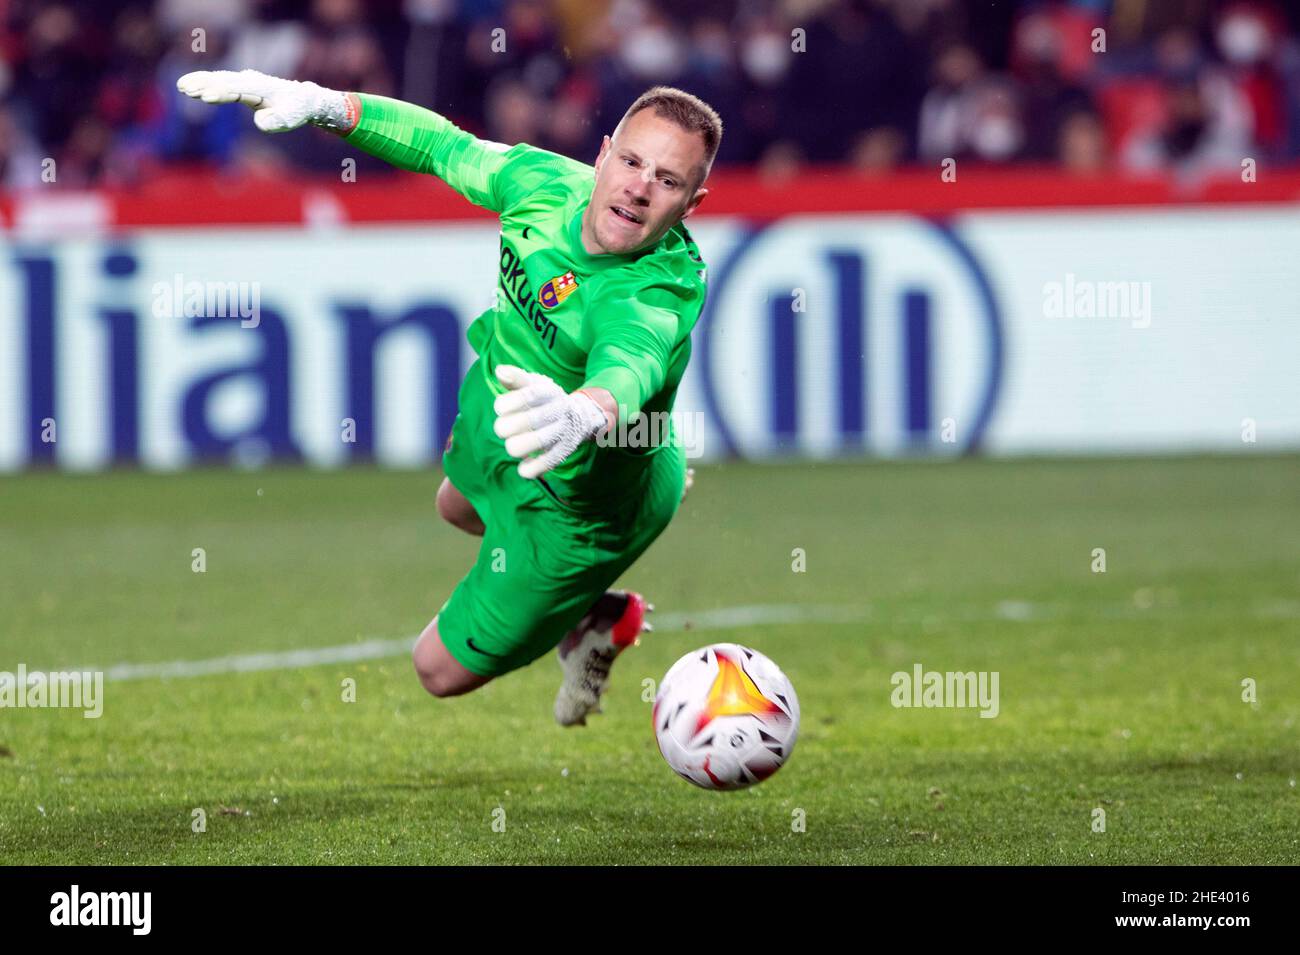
[(202, 198)]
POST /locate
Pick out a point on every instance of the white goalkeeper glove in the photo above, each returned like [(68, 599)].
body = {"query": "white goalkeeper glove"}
[(278, 105), (537, 415)]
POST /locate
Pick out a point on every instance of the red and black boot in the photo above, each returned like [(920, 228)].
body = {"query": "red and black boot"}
[(613, 624)]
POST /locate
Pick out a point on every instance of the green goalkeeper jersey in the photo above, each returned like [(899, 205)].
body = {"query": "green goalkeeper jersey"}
[(619, 322)]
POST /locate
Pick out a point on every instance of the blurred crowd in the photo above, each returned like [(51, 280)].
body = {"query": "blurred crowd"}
[(1189, 86)]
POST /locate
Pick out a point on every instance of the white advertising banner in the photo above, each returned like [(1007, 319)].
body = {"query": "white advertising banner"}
[(1008, 333)]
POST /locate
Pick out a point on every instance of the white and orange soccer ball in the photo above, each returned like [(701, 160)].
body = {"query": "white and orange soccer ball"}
[(725, 717)]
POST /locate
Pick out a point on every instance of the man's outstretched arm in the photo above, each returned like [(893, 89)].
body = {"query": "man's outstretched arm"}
[(407, 136)]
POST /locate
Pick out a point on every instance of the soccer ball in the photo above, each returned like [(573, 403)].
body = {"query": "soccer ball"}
[(725, 717)]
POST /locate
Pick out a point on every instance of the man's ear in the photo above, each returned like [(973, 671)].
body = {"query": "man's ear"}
[(604, 150), (695, 201)]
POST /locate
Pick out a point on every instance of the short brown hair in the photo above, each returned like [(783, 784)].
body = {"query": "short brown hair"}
[(686, 110)]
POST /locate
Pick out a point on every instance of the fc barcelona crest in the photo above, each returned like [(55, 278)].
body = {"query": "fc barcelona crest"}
[(557, 290)]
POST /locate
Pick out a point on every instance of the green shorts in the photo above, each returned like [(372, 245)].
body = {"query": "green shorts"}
[(544, 559)]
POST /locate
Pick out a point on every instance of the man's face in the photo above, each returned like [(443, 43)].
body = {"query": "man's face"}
[(646, 182)]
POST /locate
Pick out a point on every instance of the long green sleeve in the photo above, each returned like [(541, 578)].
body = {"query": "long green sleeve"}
[(420, 140), (636, 349)]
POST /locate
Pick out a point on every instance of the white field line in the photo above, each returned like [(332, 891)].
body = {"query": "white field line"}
[(725, 618)]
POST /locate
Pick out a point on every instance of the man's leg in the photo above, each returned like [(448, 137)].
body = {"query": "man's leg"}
[(456, 510), (618, 617), (439, 672), (508, 611)]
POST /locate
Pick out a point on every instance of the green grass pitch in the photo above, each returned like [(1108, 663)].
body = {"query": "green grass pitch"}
[(1119, 691)]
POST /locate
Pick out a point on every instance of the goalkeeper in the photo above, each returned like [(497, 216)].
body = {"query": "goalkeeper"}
[(599, 286)]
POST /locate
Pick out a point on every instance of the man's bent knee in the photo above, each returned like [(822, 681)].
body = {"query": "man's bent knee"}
[(456, 510), (440, 673)]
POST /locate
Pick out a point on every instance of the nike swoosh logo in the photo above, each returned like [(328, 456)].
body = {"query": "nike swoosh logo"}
[(470, 643)]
